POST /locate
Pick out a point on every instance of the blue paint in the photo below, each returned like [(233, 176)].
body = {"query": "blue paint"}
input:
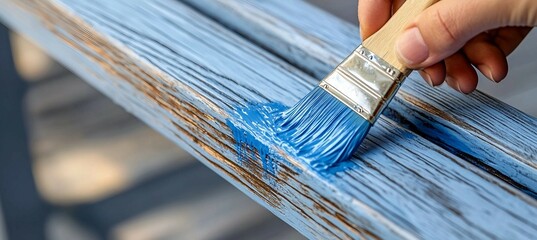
[(319, 130), (253, 131), (322, 130)]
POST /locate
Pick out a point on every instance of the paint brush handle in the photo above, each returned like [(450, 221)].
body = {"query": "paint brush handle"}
[(382, 43), (369, 78)]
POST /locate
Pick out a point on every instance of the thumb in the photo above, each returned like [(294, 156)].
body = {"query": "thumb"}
[(444, 28)]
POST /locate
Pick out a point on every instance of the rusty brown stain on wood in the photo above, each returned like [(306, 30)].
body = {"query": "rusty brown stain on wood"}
[(339, 216), (146, 83), (261, 189)]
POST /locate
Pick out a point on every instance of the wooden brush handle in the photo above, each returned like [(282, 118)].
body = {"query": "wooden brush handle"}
[(382, 43)]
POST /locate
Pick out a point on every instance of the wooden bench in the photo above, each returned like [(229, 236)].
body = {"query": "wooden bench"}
[(437, 164)]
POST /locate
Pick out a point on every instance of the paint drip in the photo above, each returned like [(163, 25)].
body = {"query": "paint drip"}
[(319, 130), (254, 131)]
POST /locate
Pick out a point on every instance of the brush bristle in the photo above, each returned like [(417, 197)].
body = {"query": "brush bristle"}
[(322, 129)]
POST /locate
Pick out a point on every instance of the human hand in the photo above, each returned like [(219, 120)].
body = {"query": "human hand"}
[(449, 37)]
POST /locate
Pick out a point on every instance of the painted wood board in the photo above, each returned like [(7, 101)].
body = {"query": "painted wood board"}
[(488, 132), (185, 75)]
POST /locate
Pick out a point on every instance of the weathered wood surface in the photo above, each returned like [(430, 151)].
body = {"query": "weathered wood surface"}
[(476, 127), (184, 74)]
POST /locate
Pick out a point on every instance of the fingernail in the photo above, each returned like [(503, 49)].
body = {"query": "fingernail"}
[(488, 72), (427, 78), (411, 47), (454, 84)]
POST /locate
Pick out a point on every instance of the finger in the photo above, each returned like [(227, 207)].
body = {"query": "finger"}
[(372, 15), (510, 37), (442, 29), (396, 5), (460, 75), (487, 57), (434, 75)]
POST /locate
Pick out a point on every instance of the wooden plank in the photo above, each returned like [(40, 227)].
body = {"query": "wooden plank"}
[(477, 127), (185, 76)]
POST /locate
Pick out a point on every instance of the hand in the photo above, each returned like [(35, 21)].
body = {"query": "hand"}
[(452, 35)]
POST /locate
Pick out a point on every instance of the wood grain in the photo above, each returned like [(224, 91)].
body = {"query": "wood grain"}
[(477, 127), (183, 74)]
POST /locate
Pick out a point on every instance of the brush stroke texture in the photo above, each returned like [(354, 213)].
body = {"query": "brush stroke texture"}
[(183, 74), (492, 134)]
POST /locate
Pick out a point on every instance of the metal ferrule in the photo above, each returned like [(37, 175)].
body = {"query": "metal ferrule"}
[(364, 82)]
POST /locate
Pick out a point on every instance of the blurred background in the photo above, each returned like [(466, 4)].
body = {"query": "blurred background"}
[(109, 175)]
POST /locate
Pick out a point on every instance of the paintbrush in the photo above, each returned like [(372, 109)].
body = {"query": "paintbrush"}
[(328, 125)]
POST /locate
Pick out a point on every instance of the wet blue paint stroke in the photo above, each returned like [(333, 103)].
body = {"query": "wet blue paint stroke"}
[(318, 130), (254, 130)]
